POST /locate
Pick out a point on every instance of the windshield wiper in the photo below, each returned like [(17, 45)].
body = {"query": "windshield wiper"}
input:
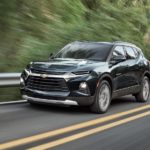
[(94, 59)]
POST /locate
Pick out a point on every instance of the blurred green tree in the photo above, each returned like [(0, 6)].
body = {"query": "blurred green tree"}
[(31, 29)]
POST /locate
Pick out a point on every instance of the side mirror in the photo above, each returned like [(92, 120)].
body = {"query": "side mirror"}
[(118, 59)]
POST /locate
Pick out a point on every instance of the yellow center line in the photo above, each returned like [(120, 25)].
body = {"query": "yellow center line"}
[(48, 134), (88, 132)]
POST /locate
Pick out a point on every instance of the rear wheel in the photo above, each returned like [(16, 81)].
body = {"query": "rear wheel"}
[(102, 98), (144, 94)]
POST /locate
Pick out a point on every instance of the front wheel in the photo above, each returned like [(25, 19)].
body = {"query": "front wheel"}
[(102, 98), (144, 94)]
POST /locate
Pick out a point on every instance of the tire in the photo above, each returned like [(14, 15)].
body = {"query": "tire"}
[(103, 92), (144, 94)]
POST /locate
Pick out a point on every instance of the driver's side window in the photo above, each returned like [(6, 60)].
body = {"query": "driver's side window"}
[(118, 51)]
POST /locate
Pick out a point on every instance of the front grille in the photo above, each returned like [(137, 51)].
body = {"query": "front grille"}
[(46, 84), (40, 71)]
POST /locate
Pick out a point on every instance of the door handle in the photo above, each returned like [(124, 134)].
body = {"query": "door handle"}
[(118, 74)]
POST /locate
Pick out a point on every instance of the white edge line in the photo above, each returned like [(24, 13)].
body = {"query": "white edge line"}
[(13, 102)]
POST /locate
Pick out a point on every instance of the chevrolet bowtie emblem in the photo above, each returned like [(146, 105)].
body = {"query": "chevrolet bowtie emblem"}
[(44, 75)]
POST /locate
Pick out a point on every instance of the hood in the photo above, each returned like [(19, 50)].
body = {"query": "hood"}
[(65, 65)]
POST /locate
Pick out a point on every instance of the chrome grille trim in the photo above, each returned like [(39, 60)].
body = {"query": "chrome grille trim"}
[(65, 102)]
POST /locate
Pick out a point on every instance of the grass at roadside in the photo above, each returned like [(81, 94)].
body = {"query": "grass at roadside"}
[(9, 94)]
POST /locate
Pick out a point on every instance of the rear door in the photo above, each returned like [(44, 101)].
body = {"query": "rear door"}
[(133, 66)]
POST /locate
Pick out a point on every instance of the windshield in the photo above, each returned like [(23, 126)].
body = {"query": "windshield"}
[(91, 51)]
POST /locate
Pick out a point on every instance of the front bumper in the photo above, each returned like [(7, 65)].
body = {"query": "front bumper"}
[(57, 102), (57, 98)]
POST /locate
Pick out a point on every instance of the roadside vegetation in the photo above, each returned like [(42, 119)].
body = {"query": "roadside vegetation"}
[(31, 29)]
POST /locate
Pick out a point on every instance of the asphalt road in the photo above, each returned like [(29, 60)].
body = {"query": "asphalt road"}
[(126, 126)]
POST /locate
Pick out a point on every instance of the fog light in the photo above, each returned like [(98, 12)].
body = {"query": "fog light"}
[(22, 84), (83, 88), (83, 85)]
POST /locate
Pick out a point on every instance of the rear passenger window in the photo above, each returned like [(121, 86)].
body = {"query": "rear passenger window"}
[(130, 52), (136, 52)]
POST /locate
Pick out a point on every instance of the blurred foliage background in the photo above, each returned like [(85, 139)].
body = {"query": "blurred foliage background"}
[(31, 29)]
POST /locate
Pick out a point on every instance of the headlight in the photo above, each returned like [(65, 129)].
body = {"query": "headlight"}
[(68, 76), (25, 74), (26, 71)]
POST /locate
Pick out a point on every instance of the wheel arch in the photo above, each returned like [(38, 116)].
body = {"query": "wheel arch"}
[(108, 78), (147, 74)]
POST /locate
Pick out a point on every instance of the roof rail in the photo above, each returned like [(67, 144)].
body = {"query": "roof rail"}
[(124, 42)]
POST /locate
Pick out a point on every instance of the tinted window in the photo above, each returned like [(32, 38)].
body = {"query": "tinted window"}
[(92, 51), (136, 52), (118, 51), (130, 52)]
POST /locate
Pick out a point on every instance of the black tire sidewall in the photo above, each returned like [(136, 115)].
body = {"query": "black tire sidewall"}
[(145, 78), (97, 95), (139, 96)]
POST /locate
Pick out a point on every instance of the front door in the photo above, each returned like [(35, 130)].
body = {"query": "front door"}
[(119, 69)]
